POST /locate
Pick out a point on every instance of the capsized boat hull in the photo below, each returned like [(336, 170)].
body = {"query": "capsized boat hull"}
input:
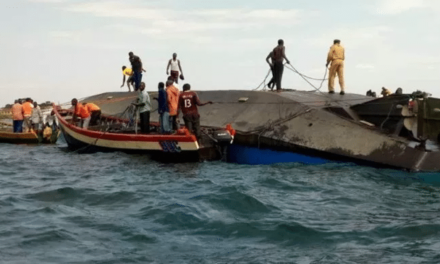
[(318, 124)]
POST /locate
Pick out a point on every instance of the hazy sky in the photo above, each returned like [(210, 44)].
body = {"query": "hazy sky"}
[(59, 49)]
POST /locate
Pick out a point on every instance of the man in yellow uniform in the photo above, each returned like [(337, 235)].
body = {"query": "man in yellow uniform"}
[(336, 56), (129, 73)]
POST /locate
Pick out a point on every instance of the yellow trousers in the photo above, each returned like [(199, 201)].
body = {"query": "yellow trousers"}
[(337, 68)]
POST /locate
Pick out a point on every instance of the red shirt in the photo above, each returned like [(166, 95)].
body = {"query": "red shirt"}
[(188, 102)]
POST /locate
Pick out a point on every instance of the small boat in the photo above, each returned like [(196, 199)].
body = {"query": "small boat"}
[(7, 136), (116, 134)]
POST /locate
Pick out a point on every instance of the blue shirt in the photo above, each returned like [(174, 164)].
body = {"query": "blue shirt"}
[(163, 102)]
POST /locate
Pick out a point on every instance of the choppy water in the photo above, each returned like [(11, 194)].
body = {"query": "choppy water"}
[(61, 207)]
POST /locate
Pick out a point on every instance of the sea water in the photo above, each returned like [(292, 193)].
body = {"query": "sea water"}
[(58, 206)]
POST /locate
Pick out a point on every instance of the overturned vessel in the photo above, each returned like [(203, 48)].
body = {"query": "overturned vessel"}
[(398, 131)]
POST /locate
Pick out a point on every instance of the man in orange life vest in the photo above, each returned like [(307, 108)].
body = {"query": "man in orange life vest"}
[(17, 116), (95, 113), (173, 102), (82, 112), (188, 102), (27, 113)]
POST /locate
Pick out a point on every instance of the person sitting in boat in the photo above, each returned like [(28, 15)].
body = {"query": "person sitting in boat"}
[(27, 113), (81, 112), (17, 116), (174, 63), (144, 105), (163, 110), (127, 72), (95, 113), (173, 103), (47, 132), (188, 102), (37, 118)]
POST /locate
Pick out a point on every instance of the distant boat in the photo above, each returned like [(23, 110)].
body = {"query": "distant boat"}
[(27, 138), (114, 134)]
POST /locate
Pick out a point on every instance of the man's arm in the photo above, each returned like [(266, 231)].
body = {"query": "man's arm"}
[(74, 117), (142, 66), (181, 72), (123, 81), (168, 67), (284, 55), (201, 104), (329, 56), (267, 59)]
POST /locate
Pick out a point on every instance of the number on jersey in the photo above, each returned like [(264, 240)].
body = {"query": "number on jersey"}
[(187, 103)]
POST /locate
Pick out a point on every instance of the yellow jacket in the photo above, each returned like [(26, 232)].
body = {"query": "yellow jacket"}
[(337, 52)]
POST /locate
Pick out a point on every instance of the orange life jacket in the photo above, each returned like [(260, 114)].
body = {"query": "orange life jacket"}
[(81, 111), (92, 107), (27, 109)]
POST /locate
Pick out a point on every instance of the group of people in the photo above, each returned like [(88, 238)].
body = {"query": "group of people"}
[(385, 92), (133, 76), (170, 103), (89, 113), (170, 100), (27, 117), (335, 58)]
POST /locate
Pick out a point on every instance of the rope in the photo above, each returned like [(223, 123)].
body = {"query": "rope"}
[(263, 82), (305, 77)]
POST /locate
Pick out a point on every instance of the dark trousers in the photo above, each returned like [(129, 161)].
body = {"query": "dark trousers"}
[(137, 78), (18, 126), (173, 122), (192, 123), (145, 122), (272, 81), (95, 116), (278, 69)]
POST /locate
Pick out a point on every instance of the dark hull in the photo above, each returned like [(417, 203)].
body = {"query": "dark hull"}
[(330, 127)]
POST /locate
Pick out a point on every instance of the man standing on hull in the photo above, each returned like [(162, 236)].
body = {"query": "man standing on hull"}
[(336, 56), (174, 63), (136, 65), (278, 56)]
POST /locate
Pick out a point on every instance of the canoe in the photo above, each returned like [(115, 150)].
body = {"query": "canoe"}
[(27, 138), (182, 146)]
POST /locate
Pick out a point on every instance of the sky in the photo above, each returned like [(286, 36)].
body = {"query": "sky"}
[(55, 50)]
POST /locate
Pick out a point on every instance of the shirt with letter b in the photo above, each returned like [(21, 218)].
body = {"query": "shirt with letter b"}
[(188, 102)]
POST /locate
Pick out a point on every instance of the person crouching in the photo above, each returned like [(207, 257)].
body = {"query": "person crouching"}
[(81, 112), (95, 113)]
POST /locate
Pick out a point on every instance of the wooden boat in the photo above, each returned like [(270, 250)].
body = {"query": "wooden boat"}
[(114, 134), (7, 136)]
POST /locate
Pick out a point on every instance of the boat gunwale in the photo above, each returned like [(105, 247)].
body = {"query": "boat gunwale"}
[(121, 136)]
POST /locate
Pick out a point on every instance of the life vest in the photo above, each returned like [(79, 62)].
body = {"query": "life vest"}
[(27, 109), (81, 111), (92, 107)]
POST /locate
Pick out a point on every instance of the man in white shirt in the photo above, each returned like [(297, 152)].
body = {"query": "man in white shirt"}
[(144, 106), (174, 63)]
